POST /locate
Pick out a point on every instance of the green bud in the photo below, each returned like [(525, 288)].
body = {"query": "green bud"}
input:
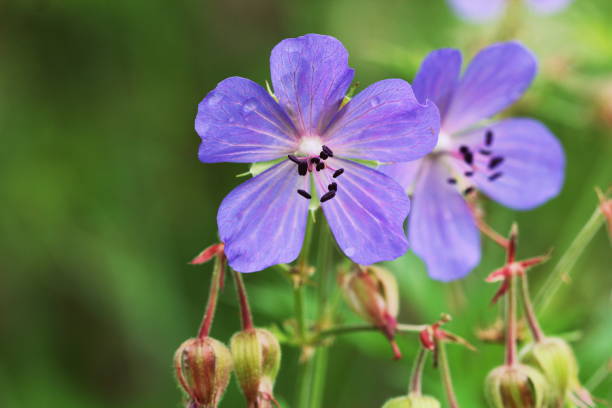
[(516, 386), (257, 357), (555, 359), (412, 401), (203, 368)]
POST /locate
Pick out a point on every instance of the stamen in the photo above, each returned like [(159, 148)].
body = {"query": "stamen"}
[(495, 176), (452, 181), (323, 155), (333, 186), (489, 137), (468, 190), (304, 194), (315, 160), (294, 159), (302, 168), (464, 149), (320, 166), (485, 152), (469, 173), (496, 161), (468, 157), (327, 151), (328, 196), (337, 173)]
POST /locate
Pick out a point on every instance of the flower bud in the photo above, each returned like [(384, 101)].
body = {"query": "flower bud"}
[(555, 359), (257, 357), (413, 401), (372, 293), (517, 386), (203, 368)]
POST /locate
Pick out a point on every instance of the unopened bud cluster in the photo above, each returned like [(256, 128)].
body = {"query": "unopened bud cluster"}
[(517, 386), (413, 401)]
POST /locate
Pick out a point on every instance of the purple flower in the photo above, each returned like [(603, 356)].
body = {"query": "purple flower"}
[(305, 124), (486, 10), (517, 162)]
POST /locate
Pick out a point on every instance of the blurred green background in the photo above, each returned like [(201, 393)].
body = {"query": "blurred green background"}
[(103, 201)]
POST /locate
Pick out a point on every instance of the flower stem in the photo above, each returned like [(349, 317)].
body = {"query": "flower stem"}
[(318, 377), (352, 328), (561, 271), (213, 294), (245, 309), (417, 372), (511, 321), (446, 375), (532, 319), (300, 318)]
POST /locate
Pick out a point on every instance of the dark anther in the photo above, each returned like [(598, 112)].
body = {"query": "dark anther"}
[(323, 155), (464, 150), (489, 138), (485, 152), (327, 151), (452, 181), (496, 161), (315, 160), (304, 194), (468, 157), (338, 172), (469, 173), (333, 187), (294, 159), (328, 196), (468, 190), (302, 168), (495, 176), (320, 166)]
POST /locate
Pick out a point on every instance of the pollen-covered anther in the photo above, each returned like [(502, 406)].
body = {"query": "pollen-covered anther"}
[(333, 186), (328, 196), (489, 137), (327, 151), (468, 191), (304, 194), (337, 173), (495, 176), (495, 162)]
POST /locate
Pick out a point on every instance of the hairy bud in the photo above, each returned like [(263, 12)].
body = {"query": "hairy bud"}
[(373, 294), (257, 357), (413, 401), (555, 359), (203, 368), (517, 386)]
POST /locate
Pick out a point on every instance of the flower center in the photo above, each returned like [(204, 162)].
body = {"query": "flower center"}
[(444, 143), (479, 159), (310, 146), (314, 160)]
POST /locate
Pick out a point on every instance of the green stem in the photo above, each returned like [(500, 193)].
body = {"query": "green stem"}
[(300, 317), (532, 319), (319, 374), (568, 261), (446, 375), (353, 328), (305, 384), (416, 375), (511, 322)]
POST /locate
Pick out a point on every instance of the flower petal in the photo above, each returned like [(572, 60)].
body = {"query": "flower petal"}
[(404, 173), (263, 220), (533, 167), (310, 75), (438, 77), (240, 122), (548, 6), (442, 230), (367, 214), (478, 11), (495, 79), (384, 122)]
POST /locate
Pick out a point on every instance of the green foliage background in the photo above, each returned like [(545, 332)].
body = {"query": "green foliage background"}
[(104, 201)]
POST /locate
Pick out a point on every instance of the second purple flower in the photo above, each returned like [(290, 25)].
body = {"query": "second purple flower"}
[(262, 222)]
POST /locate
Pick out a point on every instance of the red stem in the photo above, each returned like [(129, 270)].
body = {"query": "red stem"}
[(245, 310), (216, 283), (534, 325)]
